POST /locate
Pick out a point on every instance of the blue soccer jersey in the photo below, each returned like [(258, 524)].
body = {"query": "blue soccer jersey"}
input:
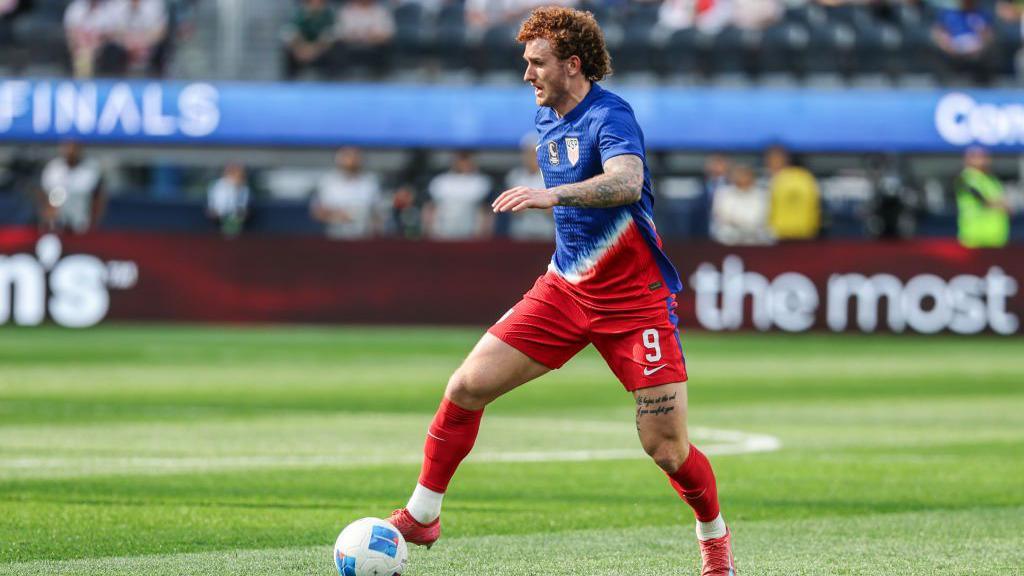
[(607, 256)]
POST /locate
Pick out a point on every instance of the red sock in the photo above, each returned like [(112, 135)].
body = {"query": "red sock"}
[(695, 483), (449, 440)]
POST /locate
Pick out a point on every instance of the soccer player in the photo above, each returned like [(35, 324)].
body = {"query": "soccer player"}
[(608, 284)]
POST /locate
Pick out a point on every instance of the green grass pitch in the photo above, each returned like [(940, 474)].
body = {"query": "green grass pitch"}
[(184, 450)]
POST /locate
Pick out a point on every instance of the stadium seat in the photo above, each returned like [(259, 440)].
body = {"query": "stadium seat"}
[(1008, 37), (38, 36), (782, 46), (450, 36), (733, 51), (829, 49), (409, 26), (602, 12), (679, 54), (637, 50), (917, 55), (874, 39), (498, 50)]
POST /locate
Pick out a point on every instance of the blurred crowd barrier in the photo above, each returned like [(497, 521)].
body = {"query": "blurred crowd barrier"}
[(924, 286), (397, 116)]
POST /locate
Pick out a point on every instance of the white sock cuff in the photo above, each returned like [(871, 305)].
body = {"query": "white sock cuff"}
[(425, 504), (711, 530)]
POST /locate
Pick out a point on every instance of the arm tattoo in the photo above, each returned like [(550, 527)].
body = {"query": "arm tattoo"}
[(622, 183)]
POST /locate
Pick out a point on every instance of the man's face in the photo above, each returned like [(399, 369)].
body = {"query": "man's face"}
[(71, 152), (776, 160), (545, 72), (348, 160), (463, 163), (743, 177), (978, 159), (717, 166)]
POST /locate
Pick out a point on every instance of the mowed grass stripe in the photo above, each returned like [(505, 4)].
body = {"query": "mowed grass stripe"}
[(952, 544)]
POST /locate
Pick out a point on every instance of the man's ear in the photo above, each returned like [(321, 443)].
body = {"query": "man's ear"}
[(575, 65)]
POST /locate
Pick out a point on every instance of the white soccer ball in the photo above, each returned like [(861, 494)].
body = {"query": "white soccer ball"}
[(370, 547)]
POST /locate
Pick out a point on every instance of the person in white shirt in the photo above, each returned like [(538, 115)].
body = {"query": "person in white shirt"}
[(739, 212), (529, 224), (87, 28), (73, 197), (455, 209), (708, 17), (139, 27), (363, 30), (348, 199), (228, 200)]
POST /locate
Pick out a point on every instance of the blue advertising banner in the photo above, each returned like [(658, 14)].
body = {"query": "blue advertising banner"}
[(299, 114)]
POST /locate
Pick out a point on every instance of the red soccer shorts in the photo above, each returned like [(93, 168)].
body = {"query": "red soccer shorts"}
[(641, 345)]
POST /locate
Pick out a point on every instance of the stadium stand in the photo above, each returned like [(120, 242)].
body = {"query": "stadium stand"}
[(857, 41), (826, 44)]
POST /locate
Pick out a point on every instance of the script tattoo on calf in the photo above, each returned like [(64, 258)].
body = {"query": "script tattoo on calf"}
[(654, 406)]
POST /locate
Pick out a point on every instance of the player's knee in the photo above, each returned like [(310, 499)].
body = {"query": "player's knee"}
[(668, 453), (466, 390)]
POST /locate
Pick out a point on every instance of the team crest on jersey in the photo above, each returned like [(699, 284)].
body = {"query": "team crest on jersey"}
[(553, 153), (572, 149)]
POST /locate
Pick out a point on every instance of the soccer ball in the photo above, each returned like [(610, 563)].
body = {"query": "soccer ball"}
[(370, 547)]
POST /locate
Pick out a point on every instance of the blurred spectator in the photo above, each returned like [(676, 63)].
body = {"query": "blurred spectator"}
[(73, 197), (228, 200), (9, 7), (716, 175), (795, 199), (983, 212), (364, 30), (529, 224), (183, 16), (894, 203), (87, 26), (965, 38), (739, 215), (139, 27), (755, 14), (707, 16), (455, 209), (308, 37), (1012, 11), (482, 15), (404, 217), (9, 10), (347, 198)]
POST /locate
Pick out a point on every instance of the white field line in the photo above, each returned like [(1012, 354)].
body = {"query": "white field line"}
[(713, 441)]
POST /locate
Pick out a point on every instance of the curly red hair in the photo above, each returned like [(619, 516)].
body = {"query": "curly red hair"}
[(570, 32)]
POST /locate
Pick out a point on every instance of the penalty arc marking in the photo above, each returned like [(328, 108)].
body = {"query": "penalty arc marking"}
[(713, 441)]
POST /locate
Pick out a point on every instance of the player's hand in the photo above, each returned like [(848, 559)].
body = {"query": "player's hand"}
[(520, 198)]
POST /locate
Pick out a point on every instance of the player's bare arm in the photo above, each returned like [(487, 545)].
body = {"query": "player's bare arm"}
[(621, 183)]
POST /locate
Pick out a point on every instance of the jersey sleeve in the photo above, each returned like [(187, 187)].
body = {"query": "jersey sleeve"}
[(618, 133)]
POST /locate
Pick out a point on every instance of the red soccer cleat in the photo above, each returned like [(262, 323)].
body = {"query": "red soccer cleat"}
[(413, 531), (717, 557)]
